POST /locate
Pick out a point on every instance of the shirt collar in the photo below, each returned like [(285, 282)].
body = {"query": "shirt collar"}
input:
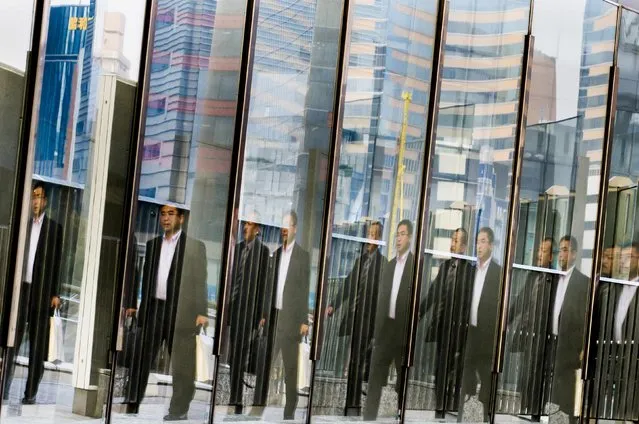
[(568, 273), (483, 266), (39, 219), (173, 238), (289, 247), (250, 244), (401, 259)]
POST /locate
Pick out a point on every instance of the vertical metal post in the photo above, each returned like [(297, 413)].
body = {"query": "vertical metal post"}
[(126, 256), (235, 180), (29, 102), (427, 175), (600, 228), (331, 190)]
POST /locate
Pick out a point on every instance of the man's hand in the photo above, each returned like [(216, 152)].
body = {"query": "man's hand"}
[(262, 322), (201, 320), (304, 330), (330, 310), (131, 312), (55, 302)]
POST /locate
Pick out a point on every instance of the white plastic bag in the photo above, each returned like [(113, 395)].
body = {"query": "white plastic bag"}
[(304, 365), (204, 359), (56, 338)]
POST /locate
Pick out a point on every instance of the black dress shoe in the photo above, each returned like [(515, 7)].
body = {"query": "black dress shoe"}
[(173, 417), (132, 408), (238, 409), (28, 401)]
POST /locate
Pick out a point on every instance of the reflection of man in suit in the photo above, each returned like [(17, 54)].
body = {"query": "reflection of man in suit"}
[(614, 326), (567, 324), (391, 320), (39, 294), (447, 295), (528, 324), (361, 289), (173, 306), (245, 312), (287, 319), (482, 323)]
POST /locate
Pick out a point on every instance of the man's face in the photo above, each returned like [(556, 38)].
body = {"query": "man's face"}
[(402, 239), (374, 233), (629, 262), (251, 230), (567, 256), (606, 262), (634, 263), (288, 231), (544, 254), (457, 244), (170, 219), (38, 201), (484, 247), (616, 261)]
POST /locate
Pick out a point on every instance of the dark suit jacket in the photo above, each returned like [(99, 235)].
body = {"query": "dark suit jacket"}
[(186, 286), (445, 302), (46, 269), (389, 332), (572, 323), (350, 289), (294, 311)]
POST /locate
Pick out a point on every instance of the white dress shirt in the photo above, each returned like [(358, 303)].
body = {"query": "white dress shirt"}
[(622, 309), (480, 279), (562, 286), (164, 267), (36, 229), (400, 263), (285, 261)]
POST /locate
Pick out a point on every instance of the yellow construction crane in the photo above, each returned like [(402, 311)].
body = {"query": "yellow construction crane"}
[(398, 197)]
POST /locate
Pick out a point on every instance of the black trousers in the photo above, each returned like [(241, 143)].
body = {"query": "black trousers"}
[(358, 368), (181, 349), (383, 356), (477, 369), (38, 341), (238, 357)]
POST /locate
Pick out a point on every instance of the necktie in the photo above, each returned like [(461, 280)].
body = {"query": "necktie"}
[(362, 282), (240, 273)]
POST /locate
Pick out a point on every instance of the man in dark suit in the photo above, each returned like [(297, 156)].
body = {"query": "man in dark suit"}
[(286, 319), (39, 294), (614, 326), (245, 311), (527, 326), (567, 322), (482, 324), (391, 320), (173, 307), (361, 289), (444, 302)]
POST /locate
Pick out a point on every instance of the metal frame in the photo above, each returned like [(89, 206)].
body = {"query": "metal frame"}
[(125, 270), (420, 228), (606, 150), (331, 192), (19, 183), (235, 181)]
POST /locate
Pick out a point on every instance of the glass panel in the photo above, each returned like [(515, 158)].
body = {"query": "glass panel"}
[(573, 53), (615, 328), (15, 24), (167, 317), (64, 298), (377, 205), (468, 211), (281, 209)]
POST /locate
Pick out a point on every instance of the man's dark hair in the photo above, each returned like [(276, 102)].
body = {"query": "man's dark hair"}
[(573, 242), (407, 224), (179, 211), (41, 185), (489, 232), (293, 216), (464, 234)]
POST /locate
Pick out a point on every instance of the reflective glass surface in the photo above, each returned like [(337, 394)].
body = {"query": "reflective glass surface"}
[(467, 214), (561, 168)]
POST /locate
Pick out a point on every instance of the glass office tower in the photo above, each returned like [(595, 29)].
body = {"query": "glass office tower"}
[(319, 211)]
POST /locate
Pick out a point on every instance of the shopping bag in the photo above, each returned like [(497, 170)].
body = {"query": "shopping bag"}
[(304, 365), (204, 357), (56, 338)]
